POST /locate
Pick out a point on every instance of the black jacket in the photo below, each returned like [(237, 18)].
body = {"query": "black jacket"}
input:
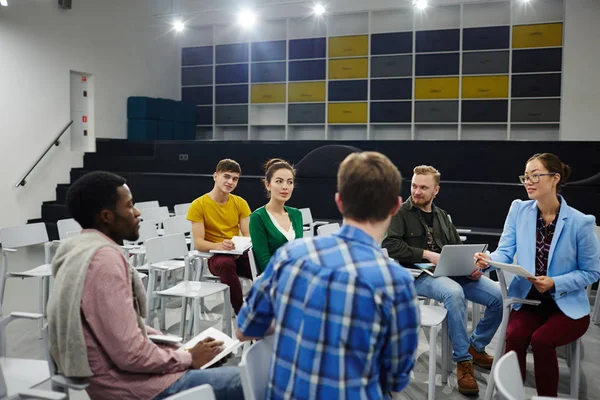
[(407, 235)]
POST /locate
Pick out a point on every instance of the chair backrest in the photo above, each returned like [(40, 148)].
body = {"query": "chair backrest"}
[(177, 224), (144, 205), (507, 376), (65, 226), (72, 233), (329, 229), (155, 214), (148, 230), (204, 392), (307, 218), (253, 269), (166, 248), (23, 235), (182, 209), (255, 367)]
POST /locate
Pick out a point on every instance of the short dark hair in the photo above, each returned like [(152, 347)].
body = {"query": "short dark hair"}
[(554, 165), (92, 193), (369, 186), (228, 165)]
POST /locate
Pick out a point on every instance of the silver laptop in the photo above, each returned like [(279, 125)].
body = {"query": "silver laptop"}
[(455, 260)]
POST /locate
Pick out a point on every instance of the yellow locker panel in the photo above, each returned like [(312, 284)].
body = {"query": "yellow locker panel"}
[(306, 91), (347, 113), (349, 68), (539, 35), (436, 88), (485, 87), (347, 46), (274, 93)]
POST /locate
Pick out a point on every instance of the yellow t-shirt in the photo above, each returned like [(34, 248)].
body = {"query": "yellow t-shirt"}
[(221, 221)]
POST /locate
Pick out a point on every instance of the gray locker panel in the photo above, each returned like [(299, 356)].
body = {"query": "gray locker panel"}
[(543, 110), (306, 113), (488, 62), (436, 111), (231, 115), (391, 66)]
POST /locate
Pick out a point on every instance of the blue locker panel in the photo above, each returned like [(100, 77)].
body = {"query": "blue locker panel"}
[(166, 110), (348, 90), (307, 48), (310, 70), (142, 108), (185, 112), (494, 37), (268, 72), (396, 111), (197, 55), (231, 94), (142, 129), (231, 73), (546, 85), (437, 64), (442, 40), (192, 76), (538, 60), (204, 115), (391, 89), (197, 95), (391, 43), (268, 51), (184, 131), (166, 130), (485, 111), (231, 53)]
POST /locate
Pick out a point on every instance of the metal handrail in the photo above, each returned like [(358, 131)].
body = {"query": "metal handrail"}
[(55, 142)]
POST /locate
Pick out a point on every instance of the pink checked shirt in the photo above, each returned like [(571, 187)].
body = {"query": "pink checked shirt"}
[(125, 364)]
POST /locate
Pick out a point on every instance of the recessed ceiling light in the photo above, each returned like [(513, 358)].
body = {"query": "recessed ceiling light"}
[(319, 9), (246, 19), (420, 4), (179, 26), (4, 3)]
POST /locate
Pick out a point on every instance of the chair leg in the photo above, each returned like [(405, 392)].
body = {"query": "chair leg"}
[(432, 362), (150, 296), (41, 306), (596, 311), (196, 317), (162, 312), (445, 351), (227, 312), (575, 367), (183, 316), (499, 350)]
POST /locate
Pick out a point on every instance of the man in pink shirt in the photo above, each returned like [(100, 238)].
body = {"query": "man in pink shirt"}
[(96, 310)]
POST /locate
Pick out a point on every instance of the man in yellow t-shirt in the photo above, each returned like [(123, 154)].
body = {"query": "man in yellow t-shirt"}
[(216, 217)]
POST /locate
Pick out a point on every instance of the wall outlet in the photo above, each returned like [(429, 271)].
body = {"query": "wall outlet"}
[(183, 157)]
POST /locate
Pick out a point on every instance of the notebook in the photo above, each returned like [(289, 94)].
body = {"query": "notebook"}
[(229, 344), (241, 243), (512, 268)]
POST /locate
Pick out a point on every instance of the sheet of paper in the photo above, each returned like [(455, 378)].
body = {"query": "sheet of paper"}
[(241, 243), (229, 344), (512, 268)]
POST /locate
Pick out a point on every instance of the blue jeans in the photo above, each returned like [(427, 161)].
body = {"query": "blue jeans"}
[(225, 381), (453, 292)]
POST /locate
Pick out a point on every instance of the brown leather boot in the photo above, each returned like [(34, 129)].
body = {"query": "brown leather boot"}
[(481, 358), (466, 380)]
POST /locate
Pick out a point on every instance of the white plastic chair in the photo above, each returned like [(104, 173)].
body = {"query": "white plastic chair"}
[(155, 214), (148, 230), (255, 367), (182, 209), (144, 205), (178, 224), (13, 238), (329, 229), (308, 222), (204, 392), (434, 318), (67, 227), (59, 382), (573, 348)]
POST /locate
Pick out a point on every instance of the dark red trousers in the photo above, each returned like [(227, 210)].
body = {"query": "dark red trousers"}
[(546, 328), (229, 269)]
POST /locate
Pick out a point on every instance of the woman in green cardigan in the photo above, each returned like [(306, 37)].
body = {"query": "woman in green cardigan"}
[(275, 224)]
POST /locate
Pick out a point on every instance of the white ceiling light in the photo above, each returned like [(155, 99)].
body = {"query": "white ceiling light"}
[(319, 9), (246, 19), (179, 26), (4, 3), (525, 1), (420, 4)]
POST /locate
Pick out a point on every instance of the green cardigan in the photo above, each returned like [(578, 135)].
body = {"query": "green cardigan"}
[(266, 238)]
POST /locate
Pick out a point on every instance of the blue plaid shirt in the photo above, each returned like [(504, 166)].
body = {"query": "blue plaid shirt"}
[(346, 319)]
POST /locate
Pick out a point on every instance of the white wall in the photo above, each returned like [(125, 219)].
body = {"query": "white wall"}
[(127, 50), (581, 66)]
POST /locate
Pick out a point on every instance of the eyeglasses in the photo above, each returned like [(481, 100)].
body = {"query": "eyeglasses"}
[(534, 178)]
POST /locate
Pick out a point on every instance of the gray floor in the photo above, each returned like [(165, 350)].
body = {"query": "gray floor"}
[(21, 295)]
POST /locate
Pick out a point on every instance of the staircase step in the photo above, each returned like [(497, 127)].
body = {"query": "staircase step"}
[(52, 211), (61, 192)]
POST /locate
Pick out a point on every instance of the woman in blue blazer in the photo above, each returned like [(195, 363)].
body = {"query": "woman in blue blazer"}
[(556, 243)]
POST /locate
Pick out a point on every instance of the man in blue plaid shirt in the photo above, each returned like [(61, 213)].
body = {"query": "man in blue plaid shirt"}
[(345, 317)]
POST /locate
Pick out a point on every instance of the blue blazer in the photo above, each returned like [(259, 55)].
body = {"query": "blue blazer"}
[(573, 260)]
